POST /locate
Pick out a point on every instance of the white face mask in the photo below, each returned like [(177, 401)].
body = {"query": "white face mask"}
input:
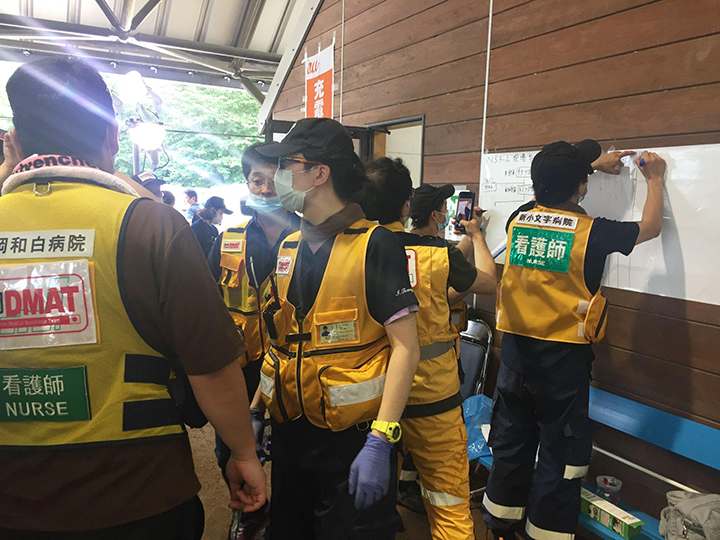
[(264, 205), (292, 199), (217, 218)]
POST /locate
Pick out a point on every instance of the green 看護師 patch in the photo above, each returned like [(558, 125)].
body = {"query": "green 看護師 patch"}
[(542, 249)]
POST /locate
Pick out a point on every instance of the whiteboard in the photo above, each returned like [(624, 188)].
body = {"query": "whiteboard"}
[(684, 262)]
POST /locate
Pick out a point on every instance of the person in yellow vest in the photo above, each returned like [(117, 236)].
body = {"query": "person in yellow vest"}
[(97, 332), (433, 428), (343, 351), (551, 310), (241, 260)]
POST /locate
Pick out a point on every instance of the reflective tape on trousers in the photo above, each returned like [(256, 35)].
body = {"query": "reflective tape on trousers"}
[(503, 512), (437, 498), (536, 533), (573, 472)]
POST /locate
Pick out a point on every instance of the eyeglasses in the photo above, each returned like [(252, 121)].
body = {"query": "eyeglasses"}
[(260, 183), (284, 161)]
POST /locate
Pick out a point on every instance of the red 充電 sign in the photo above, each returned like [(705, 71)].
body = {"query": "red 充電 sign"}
[(319, 80)]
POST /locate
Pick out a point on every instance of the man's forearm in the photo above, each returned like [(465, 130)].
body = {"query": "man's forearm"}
[(486, 280), (401, 368), (223, 398), (651, 224), (466, 246)]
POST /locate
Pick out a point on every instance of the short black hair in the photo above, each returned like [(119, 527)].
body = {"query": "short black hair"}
[(190, 192), (60, 106), (349, 178), (388, 188), (420, 221), (168, 198), (251, 157), (551, 191)]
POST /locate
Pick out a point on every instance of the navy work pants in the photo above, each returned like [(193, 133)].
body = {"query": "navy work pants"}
[(528, 414)]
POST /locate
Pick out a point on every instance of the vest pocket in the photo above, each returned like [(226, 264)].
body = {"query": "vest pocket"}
[(230, 265), (351, 396), (596, 318), (336, 327), (279, 387)]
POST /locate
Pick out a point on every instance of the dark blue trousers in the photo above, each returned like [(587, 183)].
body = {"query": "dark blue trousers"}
[(529, 415)]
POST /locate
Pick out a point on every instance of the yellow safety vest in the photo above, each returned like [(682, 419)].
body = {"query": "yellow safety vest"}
[(542, 293), (86, 375), (241, 292), (329, 364), (436, 380)]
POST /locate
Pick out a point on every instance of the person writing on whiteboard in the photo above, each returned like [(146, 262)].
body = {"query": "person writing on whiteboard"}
[(551, 310)]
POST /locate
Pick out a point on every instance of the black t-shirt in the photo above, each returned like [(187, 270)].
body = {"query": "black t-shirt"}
[(205, 234), (263, 255), (462, 272), (299, 443), (569, 363)]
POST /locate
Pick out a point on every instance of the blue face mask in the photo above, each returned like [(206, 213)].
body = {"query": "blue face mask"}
[(444, 224), (264, 205)]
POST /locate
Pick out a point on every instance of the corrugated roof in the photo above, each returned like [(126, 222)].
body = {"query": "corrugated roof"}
[(220, 42)]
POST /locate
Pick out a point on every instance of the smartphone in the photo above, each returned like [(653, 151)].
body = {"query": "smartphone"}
[(464, 209)]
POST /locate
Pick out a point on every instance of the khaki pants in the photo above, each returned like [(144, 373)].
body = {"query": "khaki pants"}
[(438, 445)]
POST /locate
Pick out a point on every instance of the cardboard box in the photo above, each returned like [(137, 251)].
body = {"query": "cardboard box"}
[(610, 516)]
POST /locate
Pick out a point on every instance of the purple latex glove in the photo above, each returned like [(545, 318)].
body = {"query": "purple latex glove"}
[(370, 472)]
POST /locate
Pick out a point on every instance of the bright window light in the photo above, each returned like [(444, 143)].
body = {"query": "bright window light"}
[(147, 135), (132, 88)]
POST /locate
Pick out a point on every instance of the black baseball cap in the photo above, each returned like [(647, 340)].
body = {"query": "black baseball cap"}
[(146, 178), (218, 203), (323, 137), (427, 198), (563, 160)]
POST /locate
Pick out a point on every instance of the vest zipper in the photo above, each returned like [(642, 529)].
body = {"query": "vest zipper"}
[(278, 388), (298, 373), (322, 396), (256, 288)]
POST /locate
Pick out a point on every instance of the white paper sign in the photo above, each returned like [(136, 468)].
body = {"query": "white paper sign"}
[(46, 305)]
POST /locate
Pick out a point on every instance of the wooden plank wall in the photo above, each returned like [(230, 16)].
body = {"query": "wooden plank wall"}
[(629, 73)]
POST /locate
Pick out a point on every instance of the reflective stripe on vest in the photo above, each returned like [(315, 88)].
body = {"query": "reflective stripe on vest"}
[(435, 349), (240, 294), (542, 293), (328, 364), (352, 394), (125, 379)]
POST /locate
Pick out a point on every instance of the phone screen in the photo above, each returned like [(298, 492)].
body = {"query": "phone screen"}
[(464, 208)]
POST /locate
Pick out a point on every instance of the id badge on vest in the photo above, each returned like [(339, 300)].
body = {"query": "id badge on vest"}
[(46, 304)]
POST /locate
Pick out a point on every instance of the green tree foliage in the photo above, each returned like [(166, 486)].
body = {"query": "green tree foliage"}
[(208, 130)]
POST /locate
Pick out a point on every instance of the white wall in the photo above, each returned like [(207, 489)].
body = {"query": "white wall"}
[(406, 142)]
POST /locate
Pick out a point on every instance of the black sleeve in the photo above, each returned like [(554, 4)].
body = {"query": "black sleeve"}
[(523, 208), (607, 237), (213, 258), (386, 276), (462, 272)]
